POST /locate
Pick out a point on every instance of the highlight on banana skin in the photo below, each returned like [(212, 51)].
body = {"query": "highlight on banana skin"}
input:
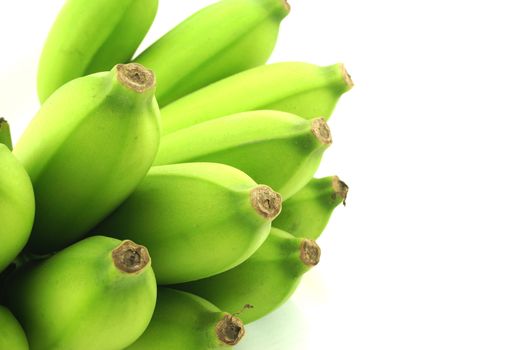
[(164, 198)]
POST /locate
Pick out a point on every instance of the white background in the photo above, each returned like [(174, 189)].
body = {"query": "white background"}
[(431, 252)]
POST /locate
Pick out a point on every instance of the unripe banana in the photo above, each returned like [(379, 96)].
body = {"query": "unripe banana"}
[(303, 89), (225, 38), (12, 336), (92, 36), (265, 281), (183, 321), (88, 147), (279, 149), (5, 134), (17, 201), (99, 293), (197, 219), (308, 211)]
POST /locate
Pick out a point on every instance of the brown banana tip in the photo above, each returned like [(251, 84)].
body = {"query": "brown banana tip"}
[(230, 330), (130, 258), (136, 77), (321, 130), (340, 188), (310, 252), (286, 5), (347, 77), (2, 121), (266, 202)]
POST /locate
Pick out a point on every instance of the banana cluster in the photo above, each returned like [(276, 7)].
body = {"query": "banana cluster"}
[(163, 200)]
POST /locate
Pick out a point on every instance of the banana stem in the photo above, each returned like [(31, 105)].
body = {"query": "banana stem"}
[(5, 134)]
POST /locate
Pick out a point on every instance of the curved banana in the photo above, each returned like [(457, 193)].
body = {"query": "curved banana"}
[(17, 201), (265, 281), (12, 336), (197, 219), (183, 321), (99, 293), (308, 211), (304, 89), (88, 147), (279, 149), (92, 36), (220, 40)]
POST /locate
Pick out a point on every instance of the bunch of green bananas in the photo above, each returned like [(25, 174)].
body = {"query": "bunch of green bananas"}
[(165, 200)]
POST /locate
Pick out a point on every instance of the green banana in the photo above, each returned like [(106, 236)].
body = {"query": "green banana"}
[(99, 293), (279, 149), (183, 321), (265, 281), (216, 42), (88, 147), (92, 36), (17, 201), (5, 134), (308, 211), (12, 336), (197, 219), (303, 89)]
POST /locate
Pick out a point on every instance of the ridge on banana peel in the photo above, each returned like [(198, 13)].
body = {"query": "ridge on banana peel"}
[(265, 281), (12, 336), (308, 211), (304, 89), (92, 36), (86, 150), (99, 293), (197, 219), (185, 321), (276, 148), (17, 201), (220, 40)]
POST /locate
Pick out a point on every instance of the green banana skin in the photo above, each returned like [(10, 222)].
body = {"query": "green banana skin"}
[(5, 134), (308, 211), (17, 201), (88, 147), (265, 281), (220, 40), (99, 293), (304, 89), (12, 336), (183, 321), (90, 37), (196, 219), (276, 148)]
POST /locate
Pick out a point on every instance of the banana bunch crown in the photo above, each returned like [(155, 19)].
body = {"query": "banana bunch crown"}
[(166, 198)]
